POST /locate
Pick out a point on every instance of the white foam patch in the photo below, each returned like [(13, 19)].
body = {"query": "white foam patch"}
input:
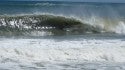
[(47, 50), (24, 53), (40, 33)]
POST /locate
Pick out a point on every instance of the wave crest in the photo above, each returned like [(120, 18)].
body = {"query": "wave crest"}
[(51, 23), (54, 25)]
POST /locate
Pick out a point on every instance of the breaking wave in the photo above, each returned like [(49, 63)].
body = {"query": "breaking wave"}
[(56, 25)]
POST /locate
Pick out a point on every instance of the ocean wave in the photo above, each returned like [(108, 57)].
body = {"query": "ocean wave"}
[(51, 23), (38, 4), (45, 4), (57, 24), (50, 4)]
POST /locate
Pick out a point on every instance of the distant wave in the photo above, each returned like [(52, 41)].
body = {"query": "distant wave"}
[(44, 4), (54, 25), (38, 4), (49, 4)]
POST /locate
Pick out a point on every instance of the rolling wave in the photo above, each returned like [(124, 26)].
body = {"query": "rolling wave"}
[(43, 23), (56, 25), (61, 18)]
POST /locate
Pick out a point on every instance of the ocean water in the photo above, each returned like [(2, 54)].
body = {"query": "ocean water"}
[(51, 35)]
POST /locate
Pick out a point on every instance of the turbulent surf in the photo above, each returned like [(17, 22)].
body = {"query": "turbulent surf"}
[(56, 35)]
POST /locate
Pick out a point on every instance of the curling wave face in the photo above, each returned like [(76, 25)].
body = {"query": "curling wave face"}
[(43, 23), (56, 25)]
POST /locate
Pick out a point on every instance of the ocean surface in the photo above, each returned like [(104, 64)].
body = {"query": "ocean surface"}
[(52, 35)]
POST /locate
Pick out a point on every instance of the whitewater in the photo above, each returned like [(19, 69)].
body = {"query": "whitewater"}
[(57, 53), (52, 35)]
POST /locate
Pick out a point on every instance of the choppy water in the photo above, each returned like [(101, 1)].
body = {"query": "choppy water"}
[(79, 52), (62, 36)]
